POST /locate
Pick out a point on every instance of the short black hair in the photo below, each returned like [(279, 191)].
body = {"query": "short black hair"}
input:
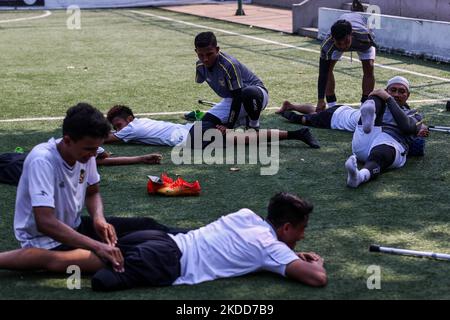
[(286, 207), (341, 29), (83, 120), (120, 111), (205, 39), (357, 6)]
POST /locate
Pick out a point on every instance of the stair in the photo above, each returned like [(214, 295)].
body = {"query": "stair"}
[(309, 32)]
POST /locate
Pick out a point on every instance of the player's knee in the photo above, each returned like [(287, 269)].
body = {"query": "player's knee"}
[(252, 99), (383, 156)]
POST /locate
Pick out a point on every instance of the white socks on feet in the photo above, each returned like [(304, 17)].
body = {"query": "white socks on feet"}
[(368, 115), (354, 176)]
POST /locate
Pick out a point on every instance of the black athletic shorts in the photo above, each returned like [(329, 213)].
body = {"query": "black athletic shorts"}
[(152, 258), (321, 119), (123, 226), (11, 166), (209, 121)]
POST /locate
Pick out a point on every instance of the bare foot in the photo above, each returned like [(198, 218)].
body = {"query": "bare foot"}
[(286, 106)]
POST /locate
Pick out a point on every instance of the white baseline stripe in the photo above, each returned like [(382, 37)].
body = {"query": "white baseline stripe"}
[(283, 44), (61, 118), (46, 14), (149, 114)]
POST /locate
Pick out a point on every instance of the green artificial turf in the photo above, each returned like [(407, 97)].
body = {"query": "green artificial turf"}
[(149, 64)]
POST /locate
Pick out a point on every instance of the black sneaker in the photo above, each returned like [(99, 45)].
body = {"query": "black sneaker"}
[(305, 135)]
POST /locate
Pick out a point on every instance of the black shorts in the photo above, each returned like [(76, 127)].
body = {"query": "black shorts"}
[(209, 121), (123, 226), (321, 119), (152, 258), (11, 166)]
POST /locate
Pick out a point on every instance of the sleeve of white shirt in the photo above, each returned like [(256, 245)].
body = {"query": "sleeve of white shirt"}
[(279, 255), (41, 183), (128, 133), (91, 172)]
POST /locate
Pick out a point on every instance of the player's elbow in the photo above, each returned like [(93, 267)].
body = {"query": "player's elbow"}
[(44, 226), (320, 279)]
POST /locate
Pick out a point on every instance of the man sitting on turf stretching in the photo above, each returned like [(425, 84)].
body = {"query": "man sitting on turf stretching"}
[(384, 133), (58, 180)]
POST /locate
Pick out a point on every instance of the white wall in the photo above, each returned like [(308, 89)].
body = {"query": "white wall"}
[(62, 4), (410, 36)]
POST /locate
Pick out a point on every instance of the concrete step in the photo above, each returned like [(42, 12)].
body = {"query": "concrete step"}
[(348, 6), (308, 32)]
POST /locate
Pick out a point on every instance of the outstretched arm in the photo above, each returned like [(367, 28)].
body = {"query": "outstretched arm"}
[(112, 138), (308, 270), (153, 158)]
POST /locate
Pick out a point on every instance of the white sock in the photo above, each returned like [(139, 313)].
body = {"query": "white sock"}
[(331, 104), (353, 176), (364, 175), (368, 115)]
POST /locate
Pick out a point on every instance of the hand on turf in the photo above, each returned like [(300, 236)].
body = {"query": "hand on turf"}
[(105, 231), (153, 158), (310, 257), (423, 132)]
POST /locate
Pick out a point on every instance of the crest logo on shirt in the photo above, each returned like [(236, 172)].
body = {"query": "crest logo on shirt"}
[(222, 82), (82, 175)]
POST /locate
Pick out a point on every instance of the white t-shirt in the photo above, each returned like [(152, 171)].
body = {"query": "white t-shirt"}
[(345, 118), (234, 245), (154, 132), (48, 181)]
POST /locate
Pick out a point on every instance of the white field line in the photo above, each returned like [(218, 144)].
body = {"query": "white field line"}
[(151, 114), (46, 14), (284, 44)]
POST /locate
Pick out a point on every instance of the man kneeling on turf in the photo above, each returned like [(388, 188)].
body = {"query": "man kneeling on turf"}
[(153, 132)]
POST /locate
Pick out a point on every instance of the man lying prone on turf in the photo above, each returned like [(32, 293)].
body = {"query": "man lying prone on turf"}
[(153, 132), (341, 117), (236, 244)]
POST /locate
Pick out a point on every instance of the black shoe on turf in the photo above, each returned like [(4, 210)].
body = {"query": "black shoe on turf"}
[(305, 135)]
